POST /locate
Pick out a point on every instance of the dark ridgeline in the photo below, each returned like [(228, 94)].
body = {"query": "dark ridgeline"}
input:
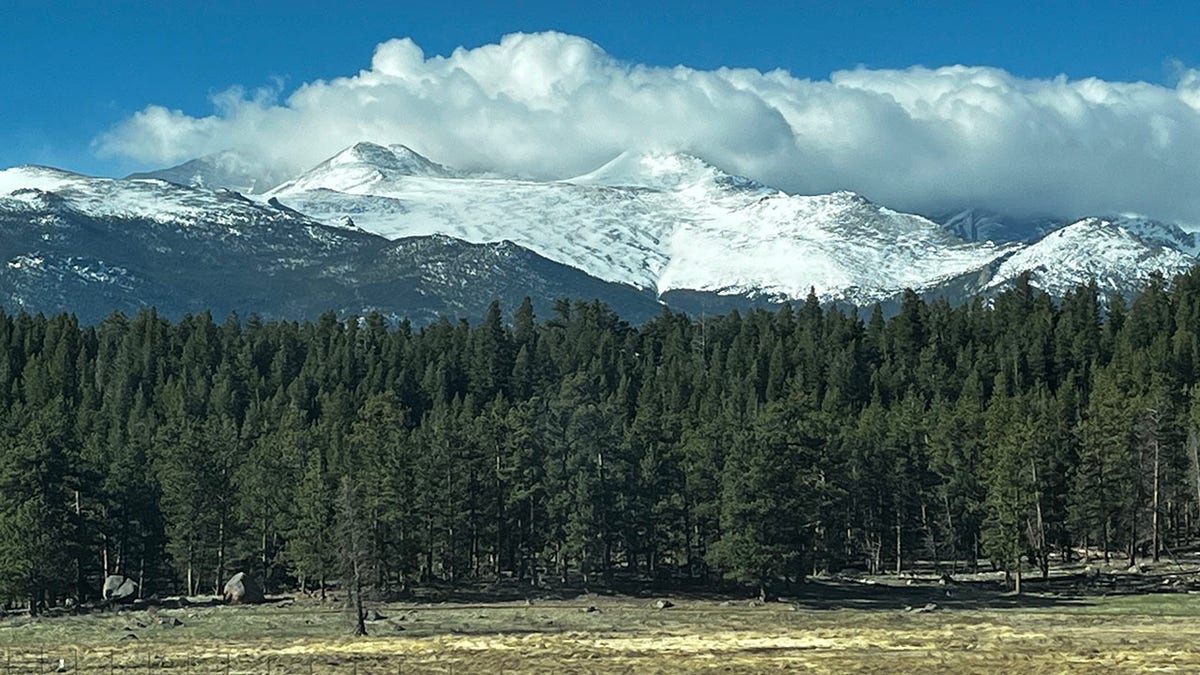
[(760, 446)]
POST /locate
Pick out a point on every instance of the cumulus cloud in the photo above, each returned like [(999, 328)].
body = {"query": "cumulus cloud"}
[(550, 105)]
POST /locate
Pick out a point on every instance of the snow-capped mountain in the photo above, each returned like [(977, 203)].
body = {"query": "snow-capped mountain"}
[(230, 170), (383, 228), (656, 221), (95, 245), (984, 225), (1168, 235), (1092, 249)]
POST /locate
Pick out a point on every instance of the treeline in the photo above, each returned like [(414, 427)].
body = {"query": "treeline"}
[(757, 446)]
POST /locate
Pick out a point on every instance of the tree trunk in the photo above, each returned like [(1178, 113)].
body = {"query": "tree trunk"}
[(1155, 541), (360, 627), (220, 556), (191, 579), (1193, 444), (1040, 536), (899, 548)]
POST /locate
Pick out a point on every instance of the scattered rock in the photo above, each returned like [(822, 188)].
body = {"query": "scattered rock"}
[(170, 622), (243, 590), (753, 603), (118, 588), (139, 624), (1134, 569), (592, 609), (663, 604), (375, 615)]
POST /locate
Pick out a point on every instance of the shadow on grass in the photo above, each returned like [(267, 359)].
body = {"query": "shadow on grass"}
[(812, 595), (829, 595)]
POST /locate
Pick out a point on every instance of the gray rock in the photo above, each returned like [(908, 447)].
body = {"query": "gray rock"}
[(663, 604), (375, 615), (243, 590), (118, 588)]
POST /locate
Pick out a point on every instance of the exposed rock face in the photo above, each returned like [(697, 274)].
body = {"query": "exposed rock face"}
[(243, 590), (118, 588)]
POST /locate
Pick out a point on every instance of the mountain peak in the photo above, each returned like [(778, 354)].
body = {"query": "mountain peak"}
[(394, 160), (227, 169), (364, 167), (664, 171)]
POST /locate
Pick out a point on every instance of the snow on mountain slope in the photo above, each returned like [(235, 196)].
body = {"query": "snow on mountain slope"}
[(983, 225), (1090, 249), (146, 199), (662, 171), (667, 225), (1159, 233), (656, 221), (840, 245), (366, 168), (91, 246)]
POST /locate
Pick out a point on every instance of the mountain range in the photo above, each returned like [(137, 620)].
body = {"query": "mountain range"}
[(383, 228)]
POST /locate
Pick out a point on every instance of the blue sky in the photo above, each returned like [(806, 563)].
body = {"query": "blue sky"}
[(867, 97), (73, 69)]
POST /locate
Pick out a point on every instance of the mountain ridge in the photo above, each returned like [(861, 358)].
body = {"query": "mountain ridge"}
[(644, 228)]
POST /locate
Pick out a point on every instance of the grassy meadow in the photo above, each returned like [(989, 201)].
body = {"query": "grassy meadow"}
[(829, 627)]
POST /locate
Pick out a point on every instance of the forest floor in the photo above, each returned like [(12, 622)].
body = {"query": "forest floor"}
[(1077, 622)]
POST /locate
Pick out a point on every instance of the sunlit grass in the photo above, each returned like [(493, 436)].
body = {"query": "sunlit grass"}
[(1099, 634)]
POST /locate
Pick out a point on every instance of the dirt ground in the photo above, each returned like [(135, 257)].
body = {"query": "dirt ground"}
[(1076, 623)]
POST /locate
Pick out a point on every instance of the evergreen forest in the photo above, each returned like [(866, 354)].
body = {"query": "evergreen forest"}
[(756, 448)]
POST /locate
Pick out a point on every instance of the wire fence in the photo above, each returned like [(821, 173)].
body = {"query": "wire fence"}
[(129, 661)]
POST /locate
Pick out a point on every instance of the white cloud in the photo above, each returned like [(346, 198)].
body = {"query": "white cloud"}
[(550, 105)]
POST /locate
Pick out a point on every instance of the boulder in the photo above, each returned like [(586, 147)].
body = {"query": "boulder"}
[(118, 588), (243, 590), (374, 615), (663, 604)]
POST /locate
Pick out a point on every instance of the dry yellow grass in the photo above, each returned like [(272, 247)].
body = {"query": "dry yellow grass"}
[(1124, 634)]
